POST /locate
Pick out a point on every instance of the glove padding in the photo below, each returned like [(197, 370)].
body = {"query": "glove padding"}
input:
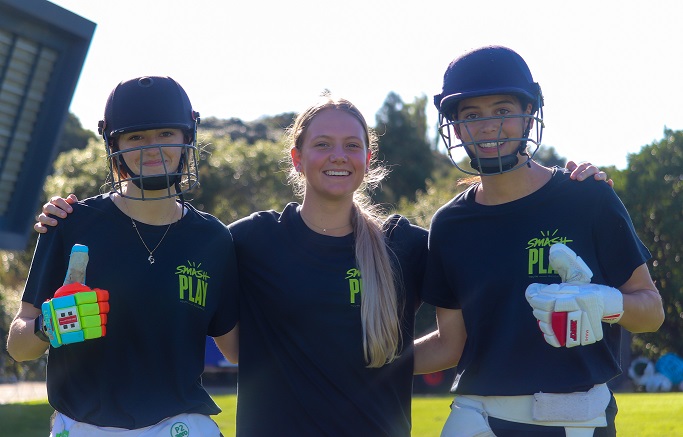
[(568, 265), (76, 313), (571, 314)]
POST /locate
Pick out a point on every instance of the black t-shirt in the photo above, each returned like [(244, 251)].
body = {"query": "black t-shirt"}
[(149, 364), (481, 260), (302, 370)]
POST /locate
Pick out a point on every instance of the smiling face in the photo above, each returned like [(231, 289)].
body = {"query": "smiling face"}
[(148, 161), (490, 123), (333, 155)]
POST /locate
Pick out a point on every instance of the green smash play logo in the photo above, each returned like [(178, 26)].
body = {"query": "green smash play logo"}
[(192, 283), (538, 252), (355, 284)]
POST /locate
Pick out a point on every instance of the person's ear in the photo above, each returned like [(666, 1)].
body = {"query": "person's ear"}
[(296, 158)]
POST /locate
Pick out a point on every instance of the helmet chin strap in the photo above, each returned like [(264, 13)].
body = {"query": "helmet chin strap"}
[(500, 164), (497, 165), (152, 183)]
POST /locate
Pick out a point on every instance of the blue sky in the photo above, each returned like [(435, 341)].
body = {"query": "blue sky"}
[(610, 70)]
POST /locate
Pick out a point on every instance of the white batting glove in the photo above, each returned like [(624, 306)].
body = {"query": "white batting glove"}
[(568, 265), (571, 314)]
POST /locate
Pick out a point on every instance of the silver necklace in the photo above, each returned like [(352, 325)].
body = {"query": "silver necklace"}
[(151, 252), (150, 258), (325, 230)]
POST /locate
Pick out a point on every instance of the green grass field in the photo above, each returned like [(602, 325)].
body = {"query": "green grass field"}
[(640, 415)]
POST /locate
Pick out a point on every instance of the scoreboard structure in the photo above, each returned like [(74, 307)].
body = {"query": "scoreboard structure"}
[(42, 51)]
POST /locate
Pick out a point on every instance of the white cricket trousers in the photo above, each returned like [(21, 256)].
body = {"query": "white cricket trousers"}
[(182, 425)]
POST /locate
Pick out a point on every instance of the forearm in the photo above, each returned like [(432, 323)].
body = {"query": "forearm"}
[(432, 354), (22, 343), (442, 348), (643, 311)]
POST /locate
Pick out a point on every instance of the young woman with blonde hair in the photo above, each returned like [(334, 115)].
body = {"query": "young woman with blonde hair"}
[(328, 291)]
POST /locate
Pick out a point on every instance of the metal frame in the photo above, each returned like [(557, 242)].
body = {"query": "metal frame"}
[(42, 51)]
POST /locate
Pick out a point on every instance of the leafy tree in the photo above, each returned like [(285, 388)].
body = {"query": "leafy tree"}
[(653, 193), (82, 172), (404, 147), (265, 128), (238, 178), (547, 156), (445, 182), (73, 135)]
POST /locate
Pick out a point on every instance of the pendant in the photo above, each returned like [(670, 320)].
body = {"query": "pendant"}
[(150, 259)]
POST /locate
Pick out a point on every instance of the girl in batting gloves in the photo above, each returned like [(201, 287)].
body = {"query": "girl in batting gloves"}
[(329, 289), (168, 286), (533, 276)]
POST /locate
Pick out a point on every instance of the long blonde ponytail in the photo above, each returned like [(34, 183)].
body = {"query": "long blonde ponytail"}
[(381, 307)]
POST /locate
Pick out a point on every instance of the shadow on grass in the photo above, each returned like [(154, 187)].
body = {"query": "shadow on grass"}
[(26, 420)]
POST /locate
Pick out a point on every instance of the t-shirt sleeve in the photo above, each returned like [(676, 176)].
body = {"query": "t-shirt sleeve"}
[(435, 288), (227, 313), (48, 267), (620, 250), (409, 242)]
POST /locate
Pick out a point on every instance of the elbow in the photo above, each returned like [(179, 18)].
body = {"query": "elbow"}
[(13, 351), (20, 352), (657, 319), (13, 354), (453, 357), (658, 322), (19, 355), (234, 358)]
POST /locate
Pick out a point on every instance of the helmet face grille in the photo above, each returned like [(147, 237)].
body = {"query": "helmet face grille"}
[(488, 71), (465, 156), (145, 103), (171, 183)]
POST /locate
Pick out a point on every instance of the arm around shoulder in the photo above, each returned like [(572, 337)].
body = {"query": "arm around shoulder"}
[(643, 309)]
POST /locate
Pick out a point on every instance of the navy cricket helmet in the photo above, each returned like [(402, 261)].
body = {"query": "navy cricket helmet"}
[(145, 103), (487, 71)]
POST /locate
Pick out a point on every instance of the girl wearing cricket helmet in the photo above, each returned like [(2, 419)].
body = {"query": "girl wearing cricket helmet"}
[(168, 287), (514, 379)]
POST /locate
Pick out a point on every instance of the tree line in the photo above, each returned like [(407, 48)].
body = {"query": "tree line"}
[(243, 169)]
